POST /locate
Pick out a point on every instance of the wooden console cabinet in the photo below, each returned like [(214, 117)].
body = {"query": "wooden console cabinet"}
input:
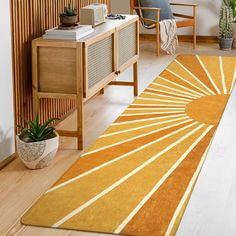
[(80, 69)]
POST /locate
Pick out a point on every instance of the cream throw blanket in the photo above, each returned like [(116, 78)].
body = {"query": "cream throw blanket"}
[(169, 38)]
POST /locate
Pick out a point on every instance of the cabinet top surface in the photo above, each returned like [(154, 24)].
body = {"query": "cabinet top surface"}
[(109, 25)]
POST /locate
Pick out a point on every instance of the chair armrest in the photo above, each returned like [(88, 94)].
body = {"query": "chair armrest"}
[(157, 11), (183, 4), (183, 15), (147, 8)]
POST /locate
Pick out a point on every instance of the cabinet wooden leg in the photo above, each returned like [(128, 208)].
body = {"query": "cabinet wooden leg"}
[(194, 37), (80, 93), (35, 75), (157, 43), (80, 123), (35, 104), (102, 91), (135, 71), (195, 27)]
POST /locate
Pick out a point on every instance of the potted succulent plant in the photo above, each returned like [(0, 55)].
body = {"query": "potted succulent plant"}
[(69, 17), (226, 28), (232, 5), (38, 144)]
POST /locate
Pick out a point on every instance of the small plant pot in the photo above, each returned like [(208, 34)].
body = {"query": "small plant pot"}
[(68, 21), (37, 155), (234, 34), (225, 44)]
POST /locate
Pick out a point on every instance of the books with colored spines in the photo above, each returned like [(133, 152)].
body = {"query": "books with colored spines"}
[(73, 34)]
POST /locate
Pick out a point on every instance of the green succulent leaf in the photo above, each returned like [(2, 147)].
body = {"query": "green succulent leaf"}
[(20, 127), (37, 124), (45, 125), (37, 132), (69, 11), (33, 126)]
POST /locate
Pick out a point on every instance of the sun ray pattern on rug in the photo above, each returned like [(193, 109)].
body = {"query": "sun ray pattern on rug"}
[(138, 176)]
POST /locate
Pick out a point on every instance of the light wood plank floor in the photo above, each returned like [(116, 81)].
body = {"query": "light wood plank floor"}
[(20, 188)]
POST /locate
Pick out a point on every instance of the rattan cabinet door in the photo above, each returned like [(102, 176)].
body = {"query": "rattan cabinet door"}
[(99, 64), (127, 44)]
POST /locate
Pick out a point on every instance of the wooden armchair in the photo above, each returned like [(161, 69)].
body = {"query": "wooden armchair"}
[(188, 20)]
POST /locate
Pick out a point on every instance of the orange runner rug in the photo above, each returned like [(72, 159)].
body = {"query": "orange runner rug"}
[(138, 176)]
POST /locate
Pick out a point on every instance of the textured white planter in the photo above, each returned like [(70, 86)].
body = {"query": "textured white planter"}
[(37, 155), (234, 32)]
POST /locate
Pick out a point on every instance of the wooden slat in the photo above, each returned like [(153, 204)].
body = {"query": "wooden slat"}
[(183, 16), (184, 23), (183, 38), (30, 18), (67, 133), (183, 4), (121, 83)]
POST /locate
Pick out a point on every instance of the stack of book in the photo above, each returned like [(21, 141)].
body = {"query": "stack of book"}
[(72, 34)]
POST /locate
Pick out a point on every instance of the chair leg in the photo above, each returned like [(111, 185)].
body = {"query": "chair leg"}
[(158, 33), (194, 37), (157, 41), (102, 91), (195, 27)]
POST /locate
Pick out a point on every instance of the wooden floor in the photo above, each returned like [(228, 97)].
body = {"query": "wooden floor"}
[(20, 188)]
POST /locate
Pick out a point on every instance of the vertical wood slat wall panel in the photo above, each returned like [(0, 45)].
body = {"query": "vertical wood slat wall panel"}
[(30, 18)]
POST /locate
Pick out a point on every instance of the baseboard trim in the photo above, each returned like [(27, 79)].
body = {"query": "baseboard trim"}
[(7, 161), (183, 38)]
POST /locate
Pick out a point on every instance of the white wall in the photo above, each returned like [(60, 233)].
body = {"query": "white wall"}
[(6, 87), (207, 16)]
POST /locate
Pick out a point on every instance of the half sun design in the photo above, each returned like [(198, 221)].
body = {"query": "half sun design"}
[(137, 178)]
